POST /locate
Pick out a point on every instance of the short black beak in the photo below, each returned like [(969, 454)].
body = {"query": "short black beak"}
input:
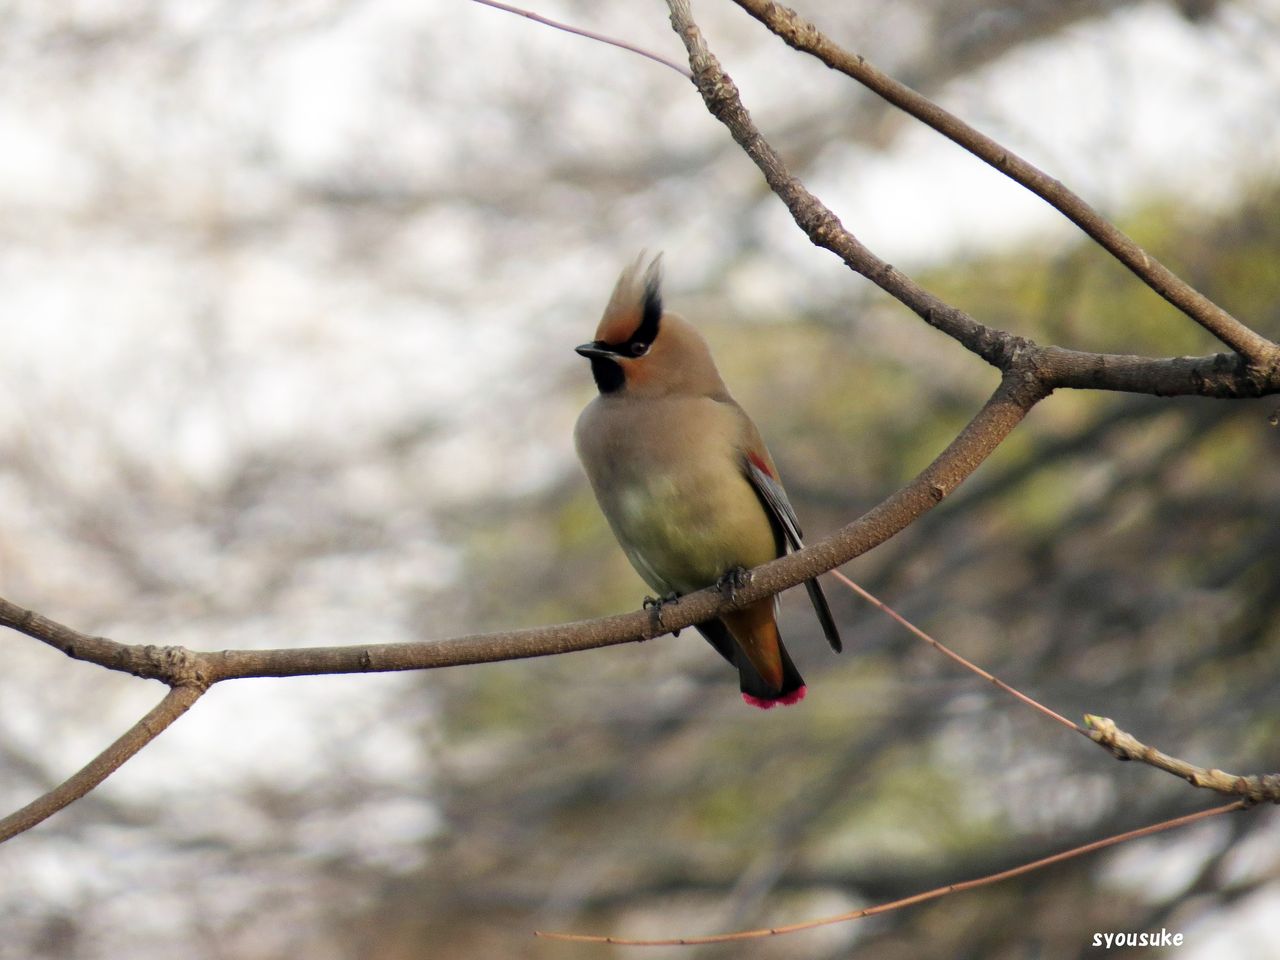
[(595, 348)]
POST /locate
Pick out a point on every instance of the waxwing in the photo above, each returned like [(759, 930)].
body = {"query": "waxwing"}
[(685, 480)]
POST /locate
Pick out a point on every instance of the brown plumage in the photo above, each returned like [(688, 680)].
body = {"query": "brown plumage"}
[(684, 478)]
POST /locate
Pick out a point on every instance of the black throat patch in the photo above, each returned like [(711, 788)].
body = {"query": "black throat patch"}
[(608, 374)]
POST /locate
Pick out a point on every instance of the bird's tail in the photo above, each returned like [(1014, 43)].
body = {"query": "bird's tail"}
[(755, 691)]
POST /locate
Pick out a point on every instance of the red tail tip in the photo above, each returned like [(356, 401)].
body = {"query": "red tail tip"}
[(795, 696)]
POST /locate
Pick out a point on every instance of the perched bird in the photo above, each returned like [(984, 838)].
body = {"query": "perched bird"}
[(685, 480)]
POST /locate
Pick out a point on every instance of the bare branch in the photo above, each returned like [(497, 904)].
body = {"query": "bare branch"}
[(928, 895), (1258, 788), (174, 705), (806, 37), (175, 666), (817, 220), (1223, 376)]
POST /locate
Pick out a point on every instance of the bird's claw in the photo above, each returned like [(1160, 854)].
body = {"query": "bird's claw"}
[(654, 605), (732, 581)]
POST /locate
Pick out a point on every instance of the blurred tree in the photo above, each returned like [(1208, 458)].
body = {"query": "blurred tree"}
[(289, 292)]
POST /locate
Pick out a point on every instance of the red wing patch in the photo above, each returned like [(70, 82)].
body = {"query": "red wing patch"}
[(758, 462)]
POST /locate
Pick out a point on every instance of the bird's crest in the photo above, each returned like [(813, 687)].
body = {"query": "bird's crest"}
[(636, 305)]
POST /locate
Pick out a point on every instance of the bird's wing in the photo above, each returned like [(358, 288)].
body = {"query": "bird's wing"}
[(783, 516)]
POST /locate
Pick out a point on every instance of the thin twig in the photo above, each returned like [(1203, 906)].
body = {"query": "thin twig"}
[(928, 895), (169, 709), (1256, 788), (679, 68), (947, 651), (804, 36)]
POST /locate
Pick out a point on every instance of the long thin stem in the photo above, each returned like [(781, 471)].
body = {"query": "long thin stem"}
[(1255, 788), (947, 651), (679, 68), (924, 897)]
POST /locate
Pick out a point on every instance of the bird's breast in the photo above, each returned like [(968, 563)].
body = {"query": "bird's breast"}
[(672, 488)]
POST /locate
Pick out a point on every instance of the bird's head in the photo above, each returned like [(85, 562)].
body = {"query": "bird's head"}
[(640, 350)]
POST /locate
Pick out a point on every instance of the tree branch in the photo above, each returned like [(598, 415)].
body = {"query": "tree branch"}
[(179, 666), (1225, 376), (804, 36), (174, 705), (190, 672), (817, 220), (176, 666), (1254, 373), (1259, 788)]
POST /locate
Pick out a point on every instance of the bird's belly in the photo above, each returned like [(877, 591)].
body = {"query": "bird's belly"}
[(681, 537)]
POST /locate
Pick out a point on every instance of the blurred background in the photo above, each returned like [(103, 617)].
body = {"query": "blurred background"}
[(288, 294)]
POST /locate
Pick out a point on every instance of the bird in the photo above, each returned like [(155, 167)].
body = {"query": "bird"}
[(685, 481)]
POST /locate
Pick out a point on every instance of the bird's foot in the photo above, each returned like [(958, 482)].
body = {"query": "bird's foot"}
[(732, 581), (654, 605)]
